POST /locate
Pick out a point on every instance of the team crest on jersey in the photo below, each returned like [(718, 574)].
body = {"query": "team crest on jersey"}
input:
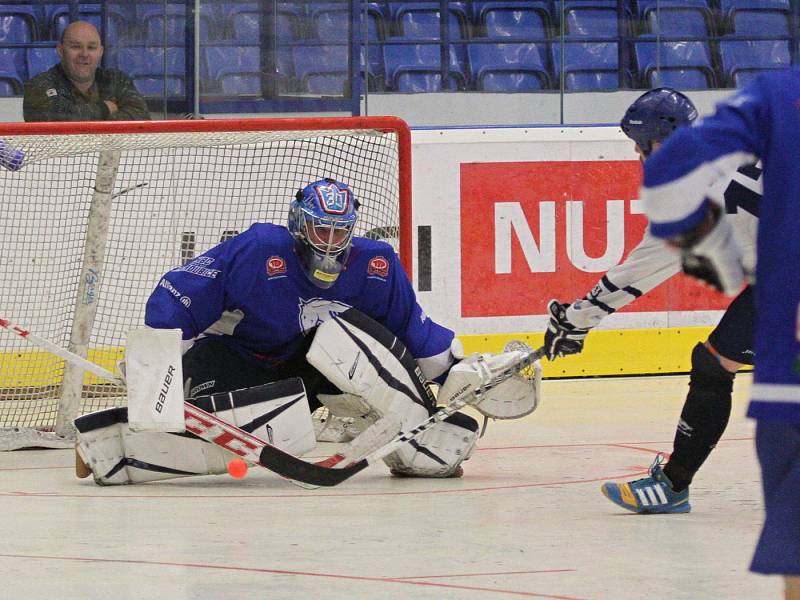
[(276, 266), (333, 200), (378, 266), (312, 313)]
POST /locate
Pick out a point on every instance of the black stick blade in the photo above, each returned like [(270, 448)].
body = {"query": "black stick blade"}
[(291, 467)]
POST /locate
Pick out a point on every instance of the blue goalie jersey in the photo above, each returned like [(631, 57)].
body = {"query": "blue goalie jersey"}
[(760, 121), (252, 292)]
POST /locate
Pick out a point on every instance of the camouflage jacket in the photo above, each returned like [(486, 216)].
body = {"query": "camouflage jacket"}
[(50, 96)]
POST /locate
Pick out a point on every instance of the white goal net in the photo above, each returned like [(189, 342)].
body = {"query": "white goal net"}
[(97, 212)]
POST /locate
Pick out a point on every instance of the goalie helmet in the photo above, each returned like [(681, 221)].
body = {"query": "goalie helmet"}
[(322, 219), (654, 115)]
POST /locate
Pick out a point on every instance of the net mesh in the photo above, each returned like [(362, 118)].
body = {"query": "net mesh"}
[(175, 195)]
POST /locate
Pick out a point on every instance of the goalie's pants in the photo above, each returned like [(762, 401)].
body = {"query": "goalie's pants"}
[(778, 448), (212, 366)]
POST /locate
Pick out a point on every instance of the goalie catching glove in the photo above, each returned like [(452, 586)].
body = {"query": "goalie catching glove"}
[(513, 398), (562, 338)]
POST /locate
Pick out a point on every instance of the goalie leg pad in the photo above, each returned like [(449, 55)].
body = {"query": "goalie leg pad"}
[(276, 412), (362, 358), (439, 451), (116, 455)]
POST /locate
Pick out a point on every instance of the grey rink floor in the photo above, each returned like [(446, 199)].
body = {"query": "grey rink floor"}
[(527, 519)]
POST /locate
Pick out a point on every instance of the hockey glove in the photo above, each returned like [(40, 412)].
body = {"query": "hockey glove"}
[(562, 337), (710, 253)]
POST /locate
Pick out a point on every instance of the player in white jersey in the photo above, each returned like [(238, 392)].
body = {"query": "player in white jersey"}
[(648, 122)]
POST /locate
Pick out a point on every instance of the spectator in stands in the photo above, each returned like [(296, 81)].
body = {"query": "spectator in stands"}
[(76, 89)]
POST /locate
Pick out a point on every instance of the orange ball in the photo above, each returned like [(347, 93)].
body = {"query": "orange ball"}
[(237, 468)]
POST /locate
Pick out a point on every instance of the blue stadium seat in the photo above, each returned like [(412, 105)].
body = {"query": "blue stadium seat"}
[(680, 79), (691, 61), (151, 75), (646, 6), (759, 23), (588, 66), (592, 21), (13, 70), (570, 4), (325, 69), (242, 21), (726, 7), (322, 69), (118, 19), (18, 24), (40, 59), (245, 25), (544, 9), (329, 21), (418, 68), (421, 20), (509, 67), (740, 59), (426, 25), (167, 23), (511, 20), (233, 70), (680, 22)]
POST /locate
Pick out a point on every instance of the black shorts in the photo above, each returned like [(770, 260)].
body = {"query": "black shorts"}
[(214, 366), (733, 336)]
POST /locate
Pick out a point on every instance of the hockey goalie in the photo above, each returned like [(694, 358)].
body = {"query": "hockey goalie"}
[(279, 321)]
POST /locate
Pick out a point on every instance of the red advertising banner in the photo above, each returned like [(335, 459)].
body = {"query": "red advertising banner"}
[(532, 231)]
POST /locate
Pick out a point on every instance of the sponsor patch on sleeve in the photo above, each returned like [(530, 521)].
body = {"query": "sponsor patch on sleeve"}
[(276, 266), (378, 266)]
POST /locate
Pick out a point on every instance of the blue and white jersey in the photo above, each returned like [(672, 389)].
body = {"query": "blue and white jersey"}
[(651, 262), (253, 292), (760, 121)]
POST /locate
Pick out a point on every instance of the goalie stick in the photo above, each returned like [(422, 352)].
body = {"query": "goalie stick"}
[(325, 473)]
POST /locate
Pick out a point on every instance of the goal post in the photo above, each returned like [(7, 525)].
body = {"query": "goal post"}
[(97, 211)]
